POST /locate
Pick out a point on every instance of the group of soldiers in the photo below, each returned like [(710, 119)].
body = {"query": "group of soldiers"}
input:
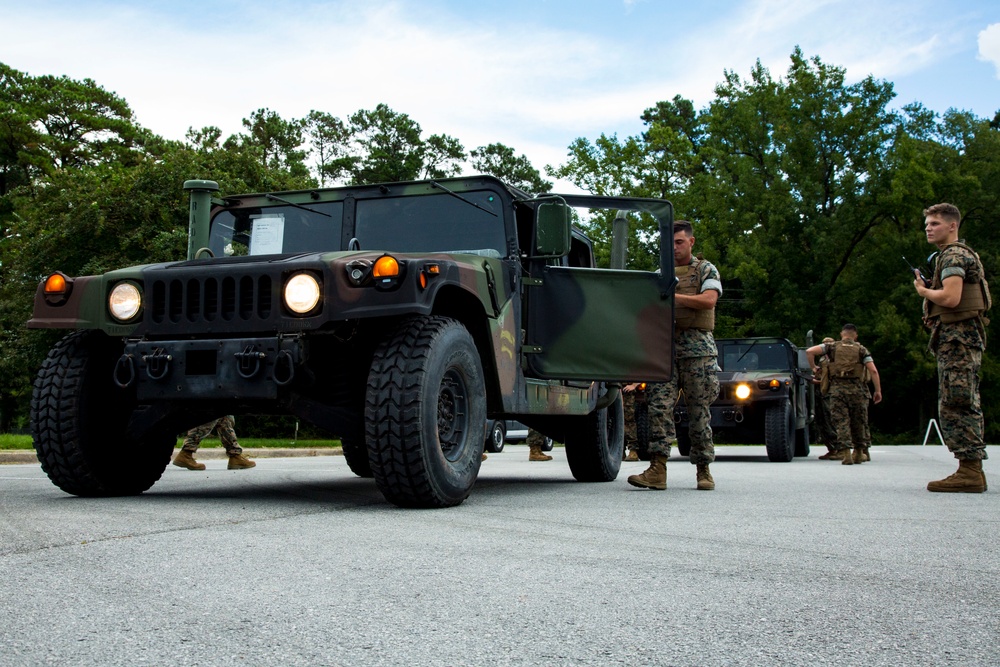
[(955, 300)]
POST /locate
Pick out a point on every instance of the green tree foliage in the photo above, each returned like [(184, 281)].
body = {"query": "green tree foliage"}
[(516, 170), (387, 146), (328, 136), (49, 123)]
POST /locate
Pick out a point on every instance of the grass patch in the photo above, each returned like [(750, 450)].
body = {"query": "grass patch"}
[(11, 441)]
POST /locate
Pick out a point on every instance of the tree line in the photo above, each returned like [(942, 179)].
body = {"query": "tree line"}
[(805, 190)]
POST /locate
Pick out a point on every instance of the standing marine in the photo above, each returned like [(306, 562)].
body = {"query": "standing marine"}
[(849, 369), (954, 307), (694, 370)]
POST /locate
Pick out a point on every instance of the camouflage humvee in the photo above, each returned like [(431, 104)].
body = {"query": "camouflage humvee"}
[(400, 316), (766, 394)]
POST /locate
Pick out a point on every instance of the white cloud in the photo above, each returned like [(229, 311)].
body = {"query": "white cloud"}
[(989, 46)]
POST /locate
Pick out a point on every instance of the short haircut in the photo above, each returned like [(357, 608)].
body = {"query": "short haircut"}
[(827, 340), (849, 327), (683, 226), (949, 212)]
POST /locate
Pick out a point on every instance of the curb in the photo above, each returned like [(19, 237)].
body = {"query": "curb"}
[(209, 453)]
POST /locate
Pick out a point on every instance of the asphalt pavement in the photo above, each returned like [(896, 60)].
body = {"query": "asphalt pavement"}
[(299, 562)]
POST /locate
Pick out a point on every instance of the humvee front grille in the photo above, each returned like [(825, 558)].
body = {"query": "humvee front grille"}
[(196, 299)]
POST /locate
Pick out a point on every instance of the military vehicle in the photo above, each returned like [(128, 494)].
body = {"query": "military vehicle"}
[(400, 316), (501, 431), (766, 394)]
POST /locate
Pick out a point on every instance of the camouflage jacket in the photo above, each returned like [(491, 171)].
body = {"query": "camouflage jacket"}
[(957, 260)]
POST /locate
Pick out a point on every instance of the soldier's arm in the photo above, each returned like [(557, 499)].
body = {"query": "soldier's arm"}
[(873, 372), (711, 290), (948, 296), (704, 301), (811, 355)]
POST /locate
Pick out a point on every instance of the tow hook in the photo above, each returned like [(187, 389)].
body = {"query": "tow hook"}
[(124, 374), (249, 362), (157, 363)]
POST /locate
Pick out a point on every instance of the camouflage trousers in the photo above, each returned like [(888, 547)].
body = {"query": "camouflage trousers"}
[(824, 427), (848, 403), (628, 405), (961, 415), (534, 438), (696, 377), (224, 426)]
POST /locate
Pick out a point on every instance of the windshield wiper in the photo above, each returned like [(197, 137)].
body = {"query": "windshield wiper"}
[(435, 184), (291, 203), (749, 347)]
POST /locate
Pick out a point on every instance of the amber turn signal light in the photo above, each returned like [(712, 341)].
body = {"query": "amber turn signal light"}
[(55, 284), (386, 266)]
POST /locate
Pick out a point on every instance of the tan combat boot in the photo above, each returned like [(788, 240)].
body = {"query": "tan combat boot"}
[(969, 478), (536, 454), (240, 462), (631, 456), (185, 459), (832, 455), (704, 477), (865, 456), (655, 476), (858, 456), (848, 459), (484, 456)]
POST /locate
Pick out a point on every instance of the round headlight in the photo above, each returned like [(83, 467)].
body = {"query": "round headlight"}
[(742, 391), (302, 293), (125, 301)]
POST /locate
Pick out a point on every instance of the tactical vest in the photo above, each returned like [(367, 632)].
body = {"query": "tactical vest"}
[(975, 300), (845, 361), (689, 282)]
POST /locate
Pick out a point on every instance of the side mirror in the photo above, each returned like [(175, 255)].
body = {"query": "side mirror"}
[(552, 229)]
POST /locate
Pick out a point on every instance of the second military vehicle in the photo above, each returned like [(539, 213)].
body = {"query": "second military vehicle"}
[(765, 396)]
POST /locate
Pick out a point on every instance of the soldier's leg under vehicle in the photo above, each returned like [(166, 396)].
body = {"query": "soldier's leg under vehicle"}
[(425, 411), (79, 418), (642, 430), (779, 432), (594, 444)]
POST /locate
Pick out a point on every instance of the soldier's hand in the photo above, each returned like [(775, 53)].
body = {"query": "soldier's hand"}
[(877, 397)]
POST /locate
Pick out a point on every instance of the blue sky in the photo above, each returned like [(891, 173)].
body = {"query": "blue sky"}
[(534, 75)]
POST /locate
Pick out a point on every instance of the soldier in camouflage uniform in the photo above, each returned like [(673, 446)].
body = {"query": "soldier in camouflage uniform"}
[(226, 428), (695, 368), (954, 305), (535, 442), (848, 395), (824, 427)]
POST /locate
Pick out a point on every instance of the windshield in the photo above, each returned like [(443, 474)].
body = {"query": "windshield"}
[(277, 229), (433, 223), (753, 356)]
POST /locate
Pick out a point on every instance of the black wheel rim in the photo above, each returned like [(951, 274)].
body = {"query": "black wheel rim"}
[(453, 410)]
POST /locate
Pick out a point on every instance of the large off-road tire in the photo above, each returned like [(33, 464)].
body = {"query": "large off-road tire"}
[(425, 411), (356, 455), (496, 437), (802, 441), (594, 444), (78, 421), (779, 432), (683, 440)]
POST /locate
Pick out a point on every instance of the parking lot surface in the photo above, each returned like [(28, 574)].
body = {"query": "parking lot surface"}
[(299, 562)]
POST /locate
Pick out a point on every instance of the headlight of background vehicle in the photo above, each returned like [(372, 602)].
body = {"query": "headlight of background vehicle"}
[(302, 293), (125, 301), (742, 391)]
